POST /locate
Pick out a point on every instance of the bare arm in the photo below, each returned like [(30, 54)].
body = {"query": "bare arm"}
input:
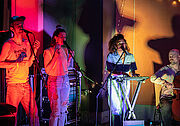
[(3, 56), (160, 81), (156, 80)]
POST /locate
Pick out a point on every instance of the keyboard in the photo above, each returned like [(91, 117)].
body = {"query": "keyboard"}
[(142, 78)]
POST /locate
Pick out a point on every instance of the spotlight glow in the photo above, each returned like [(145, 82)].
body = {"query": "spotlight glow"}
[(174, 3)]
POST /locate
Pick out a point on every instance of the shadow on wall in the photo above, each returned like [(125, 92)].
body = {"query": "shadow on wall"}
[(91, 23), (122, 21), (164, 45)]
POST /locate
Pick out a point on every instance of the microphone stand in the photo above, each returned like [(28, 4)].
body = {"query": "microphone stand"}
[(36, 63), (76, 64), (103, 88), (77, 67), (35, 57)]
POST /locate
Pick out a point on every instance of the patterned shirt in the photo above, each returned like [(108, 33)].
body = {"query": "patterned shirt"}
[(164, 76), (126, 65), (20, 73)]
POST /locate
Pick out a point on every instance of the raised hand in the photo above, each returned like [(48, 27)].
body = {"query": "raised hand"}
[(36, 45), (21, 57), (57, 49)]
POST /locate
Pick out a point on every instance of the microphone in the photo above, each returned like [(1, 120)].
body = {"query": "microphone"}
[(26, 31), (57, 46), (122, 47)]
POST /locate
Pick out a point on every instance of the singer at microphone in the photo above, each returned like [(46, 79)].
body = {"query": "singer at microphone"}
[(56, 66), (17, 57), (119, 65)]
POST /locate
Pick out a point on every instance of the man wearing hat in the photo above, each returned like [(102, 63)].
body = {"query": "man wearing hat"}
[(16, 56)]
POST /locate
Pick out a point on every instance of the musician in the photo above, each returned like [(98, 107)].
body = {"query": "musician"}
[(16, 56), (121, 63), (56, 62), (164, 77)]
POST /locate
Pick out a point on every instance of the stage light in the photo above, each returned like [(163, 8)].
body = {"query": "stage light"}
[(174, 3)]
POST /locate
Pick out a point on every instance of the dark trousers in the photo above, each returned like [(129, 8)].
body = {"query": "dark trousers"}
[(118, 120), (166, 111)]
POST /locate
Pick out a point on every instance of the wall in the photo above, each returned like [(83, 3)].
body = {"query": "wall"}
[(33, 11), (154, 33)]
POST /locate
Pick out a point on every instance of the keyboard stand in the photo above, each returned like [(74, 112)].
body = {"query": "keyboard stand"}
[(136, 93)]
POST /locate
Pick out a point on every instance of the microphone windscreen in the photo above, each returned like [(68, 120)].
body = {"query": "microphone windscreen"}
[(57, 46), (122, 47)]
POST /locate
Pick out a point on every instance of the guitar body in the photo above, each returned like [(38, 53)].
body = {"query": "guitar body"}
[(176, 101)]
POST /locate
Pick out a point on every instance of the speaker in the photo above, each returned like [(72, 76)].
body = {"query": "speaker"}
[(7, 117)]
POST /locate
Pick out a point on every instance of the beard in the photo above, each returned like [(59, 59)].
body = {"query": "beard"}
[(172, 62)]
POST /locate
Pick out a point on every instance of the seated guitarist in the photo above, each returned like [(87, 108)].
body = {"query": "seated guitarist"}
[(164, 77), (121, 63)]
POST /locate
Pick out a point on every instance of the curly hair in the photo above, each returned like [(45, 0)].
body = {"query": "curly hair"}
[(59, 29), (113, 43)]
